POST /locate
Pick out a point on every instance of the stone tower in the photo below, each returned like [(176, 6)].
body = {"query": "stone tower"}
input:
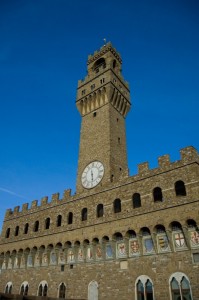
[(103, 100)]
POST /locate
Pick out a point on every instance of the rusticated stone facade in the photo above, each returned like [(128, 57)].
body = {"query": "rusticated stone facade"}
[(126, 238)]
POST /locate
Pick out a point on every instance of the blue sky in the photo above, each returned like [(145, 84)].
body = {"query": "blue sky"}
[(44, 45)]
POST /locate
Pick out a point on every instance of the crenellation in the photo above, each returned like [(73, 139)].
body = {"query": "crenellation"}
[(188, 154), (8, 213), (164, 161), (143, 168), (55, 197), (34, 204), (16, 209), (25, 207), (67, 194), (44, 200)]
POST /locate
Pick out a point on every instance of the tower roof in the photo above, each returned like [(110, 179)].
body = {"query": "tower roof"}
[(103, 50)]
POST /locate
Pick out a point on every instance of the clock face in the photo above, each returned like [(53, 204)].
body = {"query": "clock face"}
[(92, 174)]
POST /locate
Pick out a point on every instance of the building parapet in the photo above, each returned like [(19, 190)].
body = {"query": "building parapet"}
[(188, 155)]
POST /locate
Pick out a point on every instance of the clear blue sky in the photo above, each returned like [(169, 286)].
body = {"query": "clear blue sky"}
[(44, 46)]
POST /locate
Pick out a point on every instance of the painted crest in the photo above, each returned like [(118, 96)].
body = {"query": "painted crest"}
[(98, 252), (44, 258), (195, 238), (163, 243), (179, 240), (109, 252), (23, 261), (61, 257), (53, 258), (70, 256), (133, 247), (121, 249), (148, 245), (80, 255), (29, 261), (89, 253)]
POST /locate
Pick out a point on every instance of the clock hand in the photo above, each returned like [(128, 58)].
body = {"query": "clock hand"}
[(91, 175)]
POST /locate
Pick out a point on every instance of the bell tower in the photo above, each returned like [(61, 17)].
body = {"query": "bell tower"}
[(103, 100)]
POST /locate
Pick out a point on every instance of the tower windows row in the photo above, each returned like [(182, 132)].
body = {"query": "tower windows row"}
[(180, 190), (102, 80)]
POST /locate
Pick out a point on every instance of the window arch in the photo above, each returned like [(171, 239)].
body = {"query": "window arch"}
[(43, 288), (191, 224), (100, 210), (176, 226), (62, 290), (144, 288), (24, 288), (93, 290), (47, 223), (70, 218), (26, 228), (7, 235), (157, 194), (36, 226), (136, 200), (8, 288), (17, 231), (179, 286), (84, 214), (180, 188), (100, 63), (59, 220), (117, 205)]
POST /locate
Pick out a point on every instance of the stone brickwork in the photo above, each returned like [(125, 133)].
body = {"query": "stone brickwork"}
[(125, 236)]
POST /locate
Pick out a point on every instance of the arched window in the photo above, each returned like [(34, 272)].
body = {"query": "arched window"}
[(62, 290), (24, 288), (140, 290), (145, 231), (43, 289), (17, 231), (157, 194), (144, 288), (47, 223), (40, 291), (26, 228), (100, 210), (70, 218), (36, 226), (136, 200), (93, 290), (114, 64), (8, 288), (180, 286), (191, 224), (84, 214), (7, 235), (59, 220), (176, 226), (180, 188), (117, 205), (100, 63)]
